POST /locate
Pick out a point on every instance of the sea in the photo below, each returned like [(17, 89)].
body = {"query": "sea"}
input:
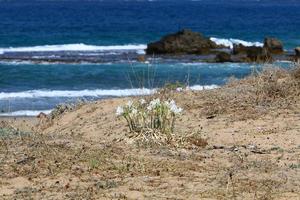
[(59, 51)]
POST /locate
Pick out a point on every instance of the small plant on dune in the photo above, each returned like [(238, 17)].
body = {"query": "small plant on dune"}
[(150, 118), (175, 86)]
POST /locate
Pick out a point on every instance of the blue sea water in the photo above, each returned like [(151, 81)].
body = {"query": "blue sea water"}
[(105, 28)]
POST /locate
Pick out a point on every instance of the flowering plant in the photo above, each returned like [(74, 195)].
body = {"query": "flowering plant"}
[(154, 115)]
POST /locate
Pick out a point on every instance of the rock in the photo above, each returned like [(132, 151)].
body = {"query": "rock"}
[(141, 58), (297, 52), (241, 49), (182, 42), (273, 45), (223, 57), (251, 53), (259, 54)]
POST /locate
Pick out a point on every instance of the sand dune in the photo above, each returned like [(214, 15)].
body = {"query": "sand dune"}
[(251, 126)]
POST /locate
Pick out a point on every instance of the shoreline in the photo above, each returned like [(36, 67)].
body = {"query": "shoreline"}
[(132, 57), (139, 92)]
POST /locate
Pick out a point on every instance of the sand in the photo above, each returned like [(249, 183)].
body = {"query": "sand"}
[(253, 152)]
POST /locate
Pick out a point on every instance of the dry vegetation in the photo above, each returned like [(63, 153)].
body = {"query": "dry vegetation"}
[(244, 143)]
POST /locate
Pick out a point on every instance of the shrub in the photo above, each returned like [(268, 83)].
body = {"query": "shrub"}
[(174, 86), (152, 116)]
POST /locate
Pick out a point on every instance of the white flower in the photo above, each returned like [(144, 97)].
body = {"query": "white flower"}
[(129, 103), (134, 111), (154, 103), (173, 107), (169, 103), (179, 89), (150, 107), (172, 103), (176, 110), (166, 103), (120, 111), (142, 101)]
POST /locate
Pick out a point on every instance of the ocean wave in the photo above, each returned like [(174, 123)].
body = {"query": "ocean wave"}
[(80, 93), (284, 61), (230, 42), (75, 93), (88, 93), (139, 48), (32, 62), (25, 113), (19, 62), (194, 63)]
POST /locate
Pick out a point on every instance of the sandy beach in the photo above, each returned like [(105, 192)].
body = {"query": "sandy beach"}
[(245, 144)]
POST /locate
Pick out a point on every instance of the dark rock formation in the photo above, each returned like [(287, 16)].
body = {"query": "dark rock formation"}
[(141, 58), (223, 57), (182, 42), (251, 53), (273, 45), (241, 49), (189, 43), (259, 55), (297, 52)]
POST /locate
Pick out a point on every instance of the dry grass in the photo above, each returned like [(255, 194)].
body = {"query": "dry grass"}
[(261, 93), (240, 145), (64, 167)]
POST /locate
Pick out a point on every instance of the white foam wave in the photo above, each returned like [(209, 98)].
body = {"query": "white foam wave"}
[(194, 63), (82, 93), (22, 62), (230, 42), (88, 93), (284, 61), (27, 113), (19, 62), (75, 47), (75, 93), (141, 51)]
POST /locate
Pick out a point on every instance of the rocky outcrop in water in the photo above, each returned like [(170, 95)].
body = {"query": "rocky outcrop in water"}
[(187, 42), (297, 52), (251, 54), (182, 42), (239, 49), (183, 46), (223, 57), (141, 58), (273, 45), (258, 54)]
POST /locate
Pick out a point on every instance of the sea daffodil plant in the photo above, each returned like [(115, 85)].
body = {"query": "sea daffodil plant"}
[(154, 115)]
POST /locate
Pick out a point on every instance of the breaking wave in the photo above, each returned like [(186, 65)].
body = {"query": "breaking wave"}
[(27, 113), (88, 93), (75, 93), (139, 48), (230, 42), (36, 94)]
